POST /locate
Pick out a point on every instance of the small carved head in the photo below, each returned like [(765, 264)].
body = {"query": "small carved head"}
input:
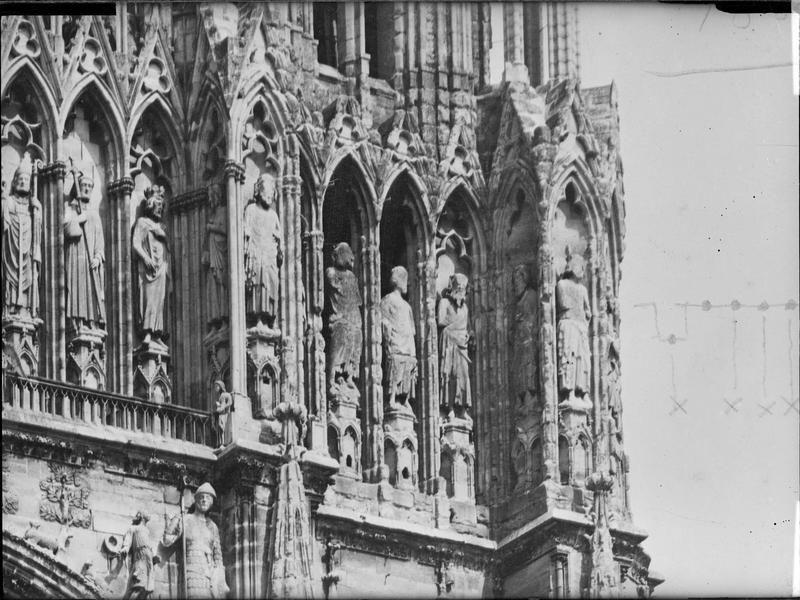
[(399, 279), (85, 187), (21, 183), (204, 498), (219, 386), (265, 189), (141, 517), (457, 290), (575, 266), (343, 257), (154, 202)]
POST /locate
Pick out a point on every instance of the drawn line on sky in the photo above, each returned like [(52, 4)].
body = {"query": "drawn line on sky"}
[(701, 70)]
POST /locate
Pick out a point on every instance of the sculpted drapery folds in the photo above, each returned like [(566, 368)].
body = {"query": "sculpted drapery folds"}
[(85, 256), (215, 257), (455, 395), (137, 545), (400, 372), (523, 335), (150, 257), (22, 244), (573, 312), (343, 296), (263, 254), (204, 573)]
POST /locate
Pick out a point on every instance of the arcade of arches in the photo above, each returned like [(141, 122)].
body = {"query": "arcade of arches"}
[(286, 289)]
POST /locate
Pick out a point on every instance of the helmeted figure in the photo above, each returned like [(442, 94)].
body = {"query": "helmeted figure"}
[(573, 312), (204, 573), (263, 255), (400, 353), (523, 335), (22, 244), (138, 546), (455, 392), (215, 257), (150, 257), (343, 297), (85, 257)]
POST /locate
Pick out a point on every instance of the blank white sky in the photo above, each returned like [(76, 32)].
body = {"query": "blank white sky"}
[(712, 186)]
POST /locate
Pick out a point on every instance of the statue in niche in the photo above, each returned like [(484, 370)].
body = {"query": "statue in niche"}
[(215, 258), (344, 321), (22, 244), (223, 408), (85, 257), (400, 353), (522, 338), (150, 257), (263, 254), (204, 573), (573, 312), (455, 394), (137, 545)]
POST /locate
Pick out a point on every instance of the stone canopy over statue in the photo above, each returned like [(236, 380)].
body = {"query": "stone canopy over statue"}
[(150, 257), (573, 312), (455, 393), (343, 297), (400, 359), (263, 254), (85, 257), (22, 244)]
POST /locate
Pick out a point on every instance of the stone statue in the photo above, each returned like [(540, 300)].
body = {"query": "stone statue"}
[(138, 546), (215, 258), (263, 256), (344, 321), (204, 573), (455, 395), (223, 407), (22, 244), (400, 353), (523, 339), (573, 312), (150, 257), (85, 257)]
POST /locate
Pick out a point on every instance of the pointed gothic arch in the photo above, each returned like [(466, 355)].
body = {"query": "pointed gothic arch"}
[(26, 72)]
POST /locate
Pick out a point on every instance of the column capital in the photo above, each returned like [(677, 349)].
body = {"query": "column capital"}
[(56, 169), (235, 170), (123, 185)]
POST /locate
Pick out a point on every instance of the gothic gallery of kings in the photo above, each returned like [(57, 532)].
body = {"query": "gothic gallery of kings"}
[(311, 300)]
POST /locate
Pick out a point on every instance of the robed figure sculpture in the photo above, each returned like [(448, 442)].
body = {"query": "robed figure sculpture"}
[(22, 244), (399, 350), (573, 312), (150, 257), (263, 254), (343, 297), (455, 393), (85, 256)]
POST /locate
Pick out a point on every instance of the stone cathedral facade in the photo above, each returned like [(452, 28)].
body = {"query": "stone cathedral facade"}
[(298, 302)]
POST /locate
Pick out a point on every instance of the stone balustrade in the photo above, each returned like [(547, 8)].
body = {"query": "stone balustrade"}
[(105, 409)]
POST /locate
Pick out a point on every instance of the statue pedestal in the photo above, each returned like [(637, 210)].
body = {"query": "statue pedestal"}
[(400, 446), (20, 347), (458, 459), (86, 363), (574, 412), (344, 428), (151, 380), (263, 369)]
